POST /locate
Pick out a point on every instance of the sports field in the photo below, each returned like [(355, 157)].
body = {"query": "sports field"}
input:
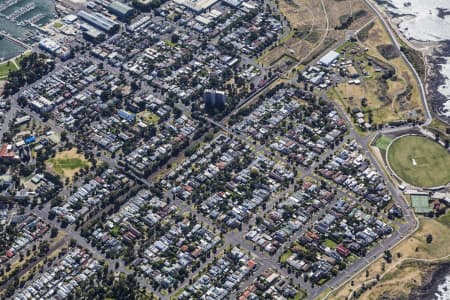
[(420, 161), (67, 163)]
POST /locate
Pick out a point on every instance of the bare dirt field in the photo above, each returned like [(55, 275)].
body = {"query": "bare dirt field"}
[(310, 22)]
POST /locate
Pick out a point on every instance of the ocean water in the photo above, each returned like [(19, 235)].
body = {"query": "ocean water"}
[(443, 290), (420, 20), (18, 21), (425, 20), (9, 49)]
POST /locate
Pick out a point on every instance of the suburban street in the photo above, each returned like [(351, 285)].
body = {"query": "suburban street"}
[(148, 103)]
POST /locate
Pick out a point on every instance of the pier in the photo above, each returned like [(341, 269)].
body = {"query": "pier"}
[(14, 40)]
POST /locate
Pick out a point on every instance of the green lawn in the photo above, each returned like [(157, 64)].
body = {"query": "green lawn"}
[(13, 65), (300, 295), (57, 25), (5, 68), (383, 142), (149, 117), (177, 294), (330, 243), (62, 164), (285, 256), (351, 258), (170, 43), (115, 231), (420, 161)]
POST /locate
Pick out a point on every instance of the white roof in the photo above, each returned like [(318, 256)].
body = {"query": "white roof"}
[(329, 58)]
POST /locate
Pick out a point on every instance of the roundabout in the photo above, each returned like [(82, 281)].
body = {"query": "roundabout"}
[(419, 161)]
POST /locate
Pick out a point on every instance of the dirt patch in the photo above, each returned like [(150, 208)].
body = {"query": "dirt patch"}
[(348, 14)]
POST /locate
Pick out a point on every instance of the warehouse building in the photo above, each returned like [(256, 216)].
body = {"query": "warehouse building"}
[(144, 5), (121, 10), (198, 6), (100, 21), (329, 58)]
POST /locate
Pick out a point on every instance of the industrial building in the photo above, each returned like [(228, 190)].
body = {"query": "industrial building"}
[(100, 21), (121, 10), (54, 48), (92, 34), (197, 6), (144, 5), (329, 58)]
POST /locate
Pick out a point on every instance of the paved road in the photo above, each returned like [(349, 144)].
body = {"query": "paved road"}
[(235, 237)]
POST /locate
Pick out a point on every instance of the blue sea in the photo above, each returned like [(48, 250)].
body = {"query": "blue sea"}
[(425, 21), (21, 18)]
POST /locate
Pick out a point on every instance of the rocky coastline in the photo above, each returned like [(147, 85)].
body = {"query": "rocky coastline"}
[(432, 281)]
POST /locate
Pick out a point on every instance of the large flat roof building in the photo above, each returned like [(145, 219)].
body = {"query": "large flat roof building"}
[(329, 58), (100, 21), (143, 4), (49, 45), (197, 6), (121, 10)]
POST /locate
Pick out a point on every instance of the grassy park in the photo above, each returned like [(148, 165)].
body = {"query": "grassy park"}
[(148, 117), (7, 67), (67, 163), (11, 65), (420, 161)]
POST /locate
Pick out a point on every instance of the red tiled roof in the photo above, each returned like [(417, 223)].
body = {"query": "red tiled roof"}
[(5, 153), (251, 264)]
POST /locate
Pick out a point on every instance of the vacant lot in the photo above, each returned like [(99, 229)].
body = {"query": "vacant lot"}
[(307, 23), (405, 104), (387, 98), (420, 161), (67, 163), (303, 14), (311, 30), (404, 272), (347, 14)]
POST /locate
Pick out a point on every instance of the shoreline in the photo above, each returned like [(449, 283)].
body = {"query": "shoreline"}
[(436, 78), (27, 31), (433, 280), (436, 50)]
